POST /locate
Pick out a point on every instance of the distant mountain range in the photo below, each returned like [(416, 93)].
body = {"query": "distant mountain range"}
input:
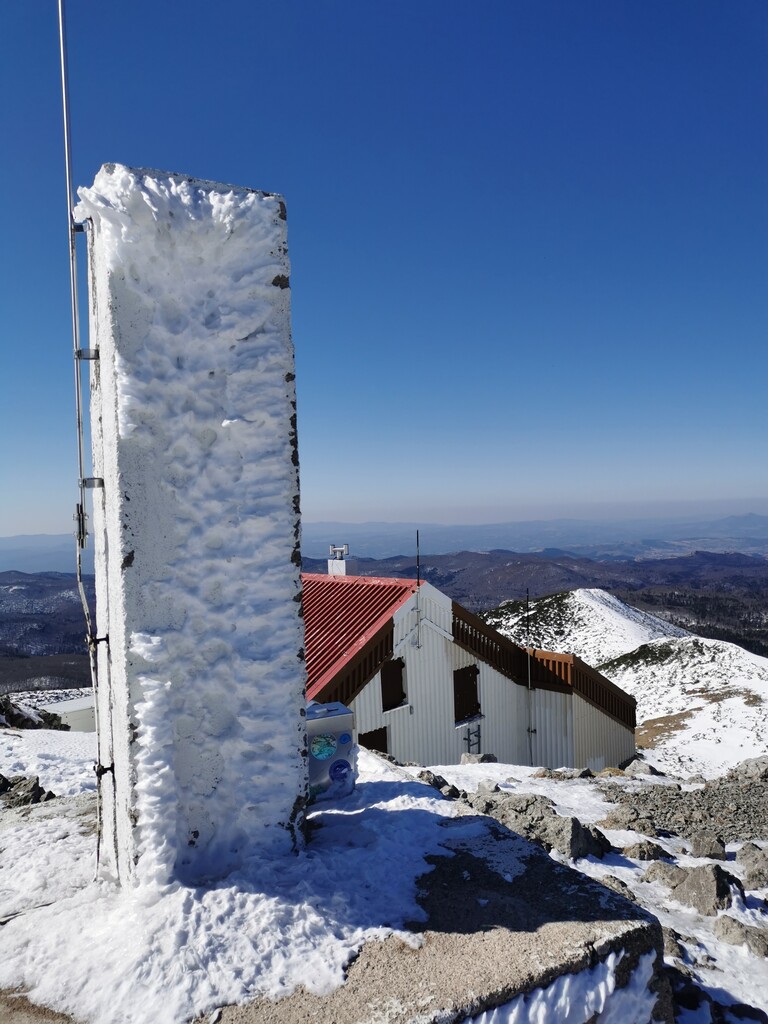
[(702, 704), (597, 539)]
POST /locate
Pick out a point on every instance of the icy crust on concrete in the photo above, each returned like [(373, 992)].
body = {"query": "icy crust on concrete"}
[(196, 529), (589, 995)]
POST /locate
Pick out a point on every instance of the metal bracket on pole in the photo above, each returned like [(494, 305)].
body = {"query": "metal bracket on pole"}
[(93, 482), (87, 353)]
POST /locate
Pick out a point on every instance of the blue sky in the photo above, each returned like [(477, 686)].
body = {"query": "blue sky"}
[(529, 239)]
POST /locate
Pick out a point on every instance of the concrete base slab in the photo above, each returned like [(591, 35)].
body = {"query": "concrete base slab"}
[(487, 940)]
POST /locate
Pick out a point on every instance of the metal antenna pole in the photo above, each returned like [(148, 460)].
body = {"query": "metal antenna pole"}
[(79, 354), (71, 228), (418, 592)]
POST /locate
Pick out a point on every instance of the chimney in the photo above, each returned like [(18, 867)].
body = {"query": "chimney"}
[(336, 563)]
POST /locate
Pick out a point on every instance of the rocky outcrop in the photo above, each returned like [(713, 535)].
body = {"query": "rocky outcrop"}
[(19, 717), (707, 888), (754, 860), (535, 818), (20, 791), (707, 844), (737, 802), (738, 934)]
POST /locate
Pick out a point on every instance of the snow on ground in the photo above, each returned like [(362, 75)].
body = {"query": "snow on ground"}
[(714, 695), (172, 951), (63, 760), (98, 952)]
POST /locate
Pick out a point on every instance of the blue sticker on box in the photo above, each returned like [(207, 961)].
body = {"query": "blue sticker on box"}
[(339, 771)]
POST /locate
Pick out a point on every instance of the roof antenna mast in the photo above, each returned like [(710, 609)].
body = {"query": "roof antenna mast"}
[(418, 590)]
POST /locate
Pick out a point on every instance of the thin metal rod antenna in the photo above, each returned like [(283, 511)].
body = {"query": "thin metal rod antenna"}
[(71, 227), (78, 353)]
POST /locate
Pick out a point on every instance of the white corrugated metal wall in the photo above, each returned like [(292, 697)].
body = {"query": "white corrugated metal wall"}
[(424, 730), (553, 722), (600, 740)]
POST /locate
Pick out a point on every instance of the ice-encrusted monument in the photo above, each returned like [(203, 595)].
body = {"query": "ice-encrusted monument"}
[(200, 701)]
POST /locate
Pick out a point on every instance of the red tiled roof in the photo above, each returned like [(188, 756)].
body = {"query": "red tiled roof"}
[(341, 615)]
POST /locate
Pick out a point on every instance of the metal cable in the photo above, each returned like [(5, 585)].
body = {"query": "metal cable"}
[(80, 513)]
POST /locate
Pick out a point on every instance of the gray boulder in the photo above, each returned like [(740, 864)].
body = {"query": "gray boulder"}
[(479, 759), (563, 774), (570, 838), (612, 882), (534, 817), (645, 851), (730, 930), (753, 769), (706, 843), (755, 862), (663, 871), (19, 791), (486, 787), (641, 768), (436, 781), (624, 818), (707, 889), (672, 946)]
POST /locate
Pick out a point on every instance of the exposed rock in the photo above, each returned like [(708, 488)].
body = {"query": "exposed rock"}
[(639, 767), (754, 768), (24, 718), (625, 817), (707, 889), (645, 851), (486, 787), (672, 947), (751, 855), (563, 774), (755, 860), (663, 871), (730, 930), (19, 791), (706, 843), (479, 759), (436, 781), (534, 816), (570, 838), (612, 882), (439, 783), (737, 802)]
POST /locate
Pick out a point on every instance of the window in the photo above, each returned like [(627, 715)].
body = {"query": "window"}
[(376, 739), (392, 684), (465, 700)]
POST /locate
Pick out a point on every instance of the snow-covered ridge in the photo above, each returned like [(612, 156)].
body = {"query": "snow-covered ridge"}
[(592, 624)]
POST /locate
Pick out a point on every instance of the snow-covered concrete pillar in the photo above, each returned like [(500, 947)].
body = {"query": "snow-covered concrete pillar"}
[(200, 698)]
